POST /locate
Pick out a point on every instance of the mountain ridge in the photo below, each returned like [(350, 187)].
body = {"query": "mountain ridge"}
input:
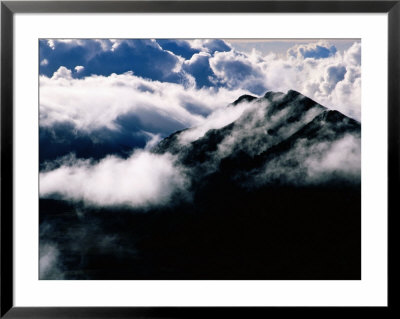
[(271, 128), (273, 195)]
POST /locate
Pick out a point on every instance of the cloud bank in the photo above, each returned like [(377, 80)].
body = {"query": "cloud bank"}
[(318, 69), (313, 164), (97, 115), (144, 179), (97, 112)]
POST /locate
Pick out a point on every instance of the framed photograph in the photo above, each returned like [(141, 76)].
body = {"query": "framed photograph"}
[(197, 158)]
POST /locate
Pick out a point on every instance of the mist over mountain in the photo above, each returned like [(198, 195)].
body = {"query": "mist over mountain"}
[(269, 188), (278, 139)]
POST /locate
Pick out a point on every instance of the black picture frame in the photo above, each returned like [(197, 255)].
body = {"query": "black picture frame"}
[(9, 8)]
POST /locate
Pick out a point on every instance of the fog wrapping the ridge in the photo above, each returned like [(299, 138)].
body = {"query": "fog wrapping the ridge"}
[(148, 178)]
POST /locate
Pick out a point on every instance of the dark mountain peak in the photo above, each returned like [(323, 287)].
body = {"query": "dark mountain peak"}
[(296, 103), (244, 98), (291, 94), (271, 95), (274, 97), (262, 129)]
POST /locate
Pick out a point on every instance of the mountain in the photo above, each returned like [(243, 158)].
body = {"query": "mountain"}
[(287, 130), (274, 193)]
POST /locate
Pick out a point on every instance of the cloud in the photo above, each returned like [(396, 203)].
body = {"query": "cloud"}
[(333, 75), (161, 107), (262, 126), (143, 179), (199, 68), (342, 158), (44, 62), (61, 139), (334, 81), (103, 57), (143, 57), (319, 50), (317, 69), (79, 68), (237, 133), (237, 70), (49, 263), (216, 120), (353, 55), (68, 53), (51, 44), (178, 47), (90, 240), (96, 115), (314, 164), (62, 73), (261, 143), (210, 45)]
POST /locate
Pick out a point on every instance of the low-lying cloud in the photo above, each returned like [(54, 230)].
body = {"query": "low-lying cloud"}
[(49, 264), (98, 102), (142, 180), (100, 115), (313, 164)]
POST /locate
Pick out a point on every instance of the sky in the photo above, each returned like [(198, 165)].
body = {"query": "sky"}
[(104, 102), (328, 71)]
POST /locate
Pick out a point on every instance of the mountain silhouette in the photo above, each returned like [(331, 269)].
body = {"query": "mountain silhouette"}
[(275, 194), (272, 127)]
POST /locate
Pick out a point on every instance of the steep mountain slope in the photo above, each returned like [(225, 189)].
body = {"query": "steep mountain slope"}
[(289, 130)]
